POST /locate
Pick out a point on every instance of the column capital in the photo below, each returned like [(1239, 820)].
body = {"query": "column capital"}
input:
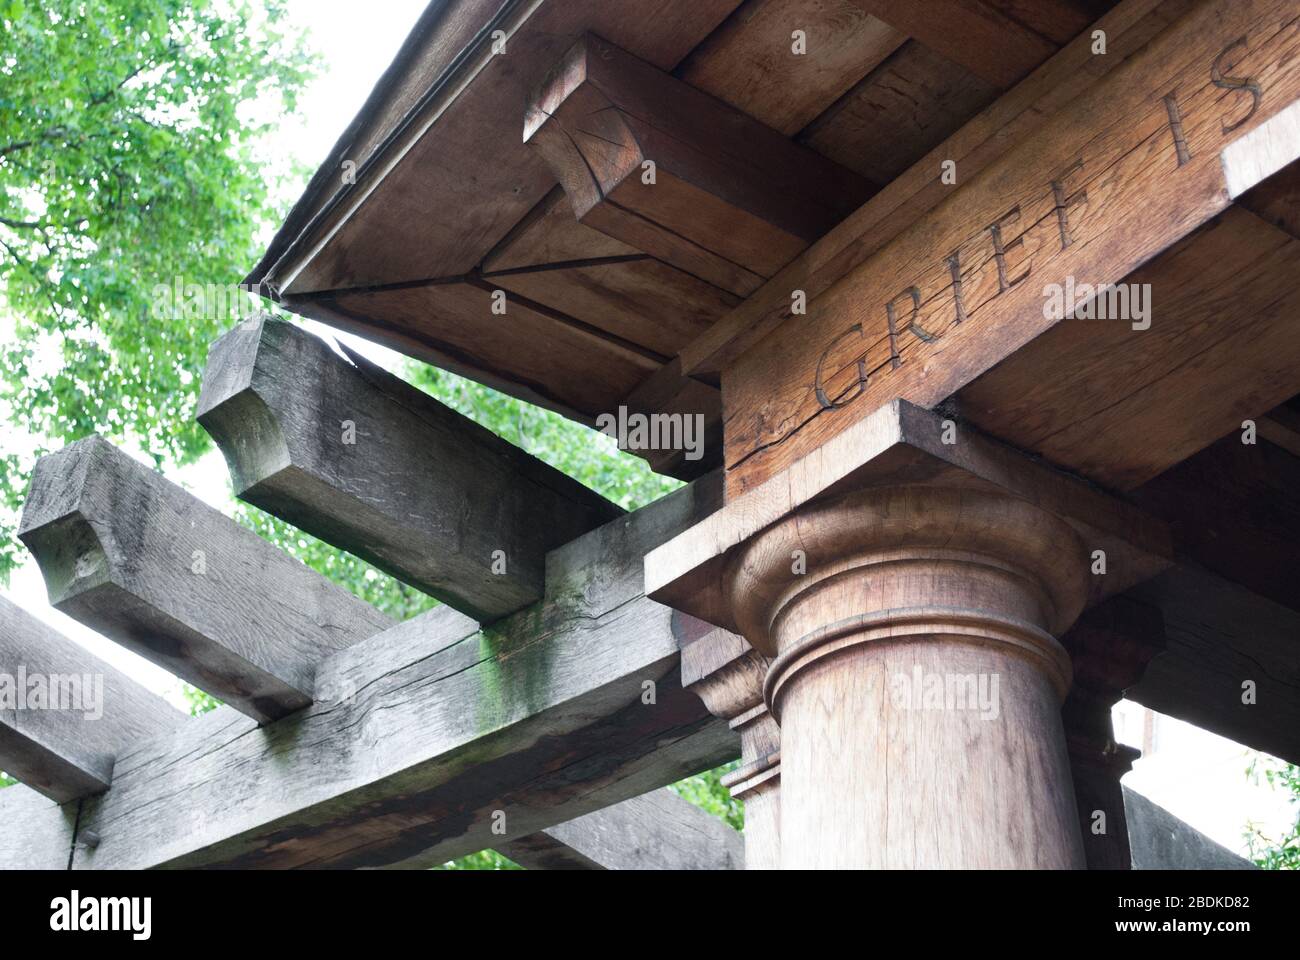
[(908, 551), (897, 563)]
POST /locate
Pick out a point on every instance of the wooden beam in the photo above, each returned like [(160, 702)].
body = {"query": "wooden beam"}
[(421, 733), (36, 833), (1281, 427), (65, 714), (976, 145), (908, 105), (751, 61), (457, 149), (1120, 401), (359, 458), (135, 557), (976, 35), (730, 200), (1112, 165), (657, 831), (1234, 511), (1221, 636)]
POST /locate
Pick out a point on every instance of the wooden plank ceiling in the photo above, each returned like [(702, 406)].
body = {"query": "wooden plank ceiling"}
[(450, 204)]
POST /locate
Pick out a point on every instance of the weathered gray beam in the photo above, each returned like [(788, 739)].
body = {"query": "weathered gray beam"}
[(420, 734), (657, 831), (63, 743), (368, 463), (1219, 637), (138, 559), (36, 833), (1160, 841)]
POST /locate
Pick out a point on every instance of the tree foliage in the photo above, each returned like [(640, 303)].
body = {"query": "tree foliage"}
[(127, 166), (1279, 852)]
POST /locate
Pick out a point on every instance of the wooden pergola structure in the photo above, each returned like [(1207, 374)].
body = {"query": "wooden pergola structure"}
[(870, 244)]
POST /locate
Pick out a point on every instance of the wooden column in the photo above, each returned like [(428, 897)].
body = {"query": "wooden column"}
[(727, 674), (916, 679), (907, 586), (1110, 647)]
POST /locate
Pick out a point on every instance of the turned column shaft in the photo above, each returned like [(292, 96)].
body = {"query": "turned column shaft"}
[(916, 679)]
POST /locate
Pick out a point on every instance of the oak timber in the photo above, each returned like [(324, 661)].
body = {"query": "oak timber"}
[(64, 745), (359, 458), (905, 586), (657, 831), (1219, 636), (1120, 403), (1095, 193), (419, 733), (751, 62), (530, 350), (429, 166), (138, 559), (977, 35), (909, 104), (979, 143), (1109, 165), (730, 201), (902, 444), (37, 832)]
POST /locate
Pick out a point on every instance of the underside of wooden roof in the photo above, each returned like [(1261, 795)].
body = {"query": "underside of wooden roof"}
[(450, 203)]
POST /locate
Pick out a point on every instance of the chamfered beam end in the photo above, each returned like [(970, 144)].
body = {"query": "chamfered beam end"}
[(357, 457), (139, 559), (65, 714), (651, 161)]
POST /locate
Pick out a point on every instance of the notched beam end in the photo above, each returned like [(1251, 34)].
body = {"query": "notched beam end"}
[(353, 455), (140, 560)]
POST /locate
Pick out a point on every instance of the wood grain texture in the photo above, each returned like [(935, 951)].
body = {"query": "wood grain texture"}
[(975, 34), (65, 748), (657, 831), (643, 301), (35, 832), (429, 205), (537, 354), (138, 559), (902, 444), (418, 734), (1121, 405), (1220, 635), (1128, 197), (903, 587), (979, 143), (750, 61), (727, 191), (422, 492), (908, 105)]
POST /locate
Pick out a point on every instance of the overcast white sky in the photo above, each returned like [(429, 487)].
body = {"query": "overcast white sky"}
[(1200, 778)]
